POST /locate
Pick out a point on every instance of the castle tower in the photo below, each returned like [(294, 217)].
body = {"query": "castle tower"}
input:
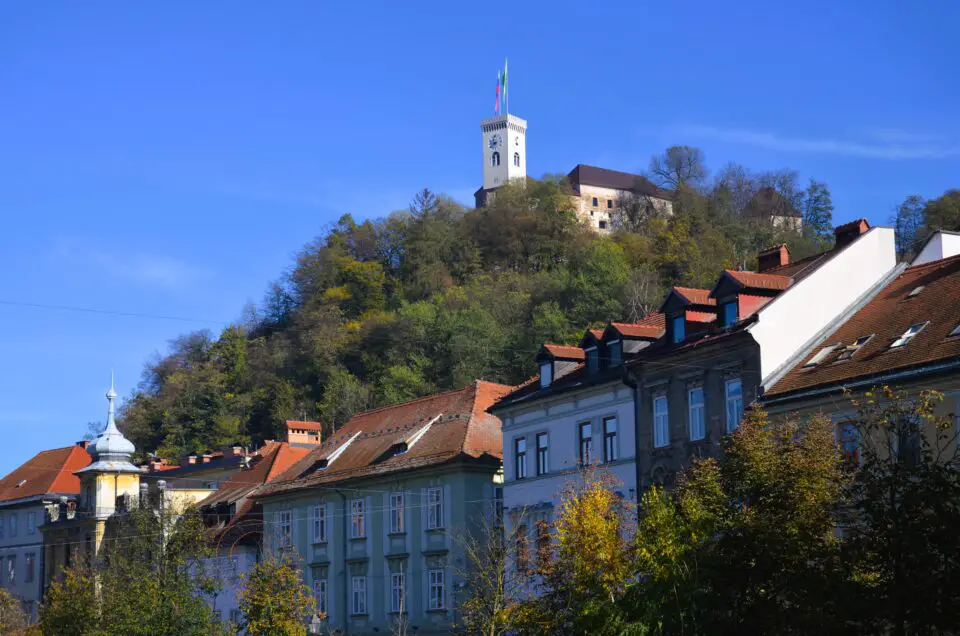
[(504, 153)]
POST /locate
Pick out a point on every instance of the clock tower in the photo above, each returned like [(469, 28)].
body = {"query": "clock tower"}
[(504, 152)]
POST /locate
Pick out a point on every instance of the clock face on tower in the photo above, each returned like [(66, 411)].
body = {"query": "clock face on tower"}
[(495, 142)]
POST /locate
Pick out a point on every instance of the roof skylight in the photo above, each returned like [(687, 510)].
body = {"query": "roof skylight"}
[(908, 335), (915, 291), (821, 355), (955, 332), (848, 352)]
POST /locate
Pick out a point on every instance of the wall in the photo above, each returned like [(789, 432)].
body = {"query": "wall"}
[(467, 493), (19, 546), (592, 215), (794, 317), (940, 245), (512, 131), (228, 566)]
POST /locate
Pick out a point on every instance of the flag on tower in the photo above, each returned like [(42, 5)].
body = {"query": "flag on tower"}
[(506, 99), (496, 107)]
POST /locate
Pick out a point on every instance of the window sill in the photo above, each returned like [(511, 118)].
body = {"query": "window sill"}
[(358, 538), (439, 530), (320, 543), (360, 615), (439, 610), (401, 533)]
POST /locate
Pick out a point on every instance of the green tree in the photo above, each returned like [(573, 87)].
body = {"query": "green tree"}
[(70, 606), (274, 599), (817, 210), (908, 220), (943, 213), (678, 166), (13, 620)]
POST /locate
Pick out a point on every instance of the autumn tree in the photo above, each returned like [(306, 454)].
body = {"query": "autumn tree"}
[(13, 620), (678, 166), (70, 606), (274, 599)]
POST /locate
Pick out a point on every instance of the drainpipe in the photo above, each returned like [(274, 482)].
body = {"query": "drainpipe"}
[(346, 591), (632, 380)]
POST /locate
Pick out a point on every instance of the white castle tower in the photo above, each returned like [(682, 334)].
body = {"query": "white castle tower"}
[(504, 153)]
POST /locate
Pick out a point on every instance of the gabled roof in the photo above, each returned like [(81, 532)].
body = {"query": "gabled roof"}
[(695, 296), (46, 473), (753, 280), (563, 352), (460, 428), (269, 462), (304, 426), (888, 315), (615, 180)]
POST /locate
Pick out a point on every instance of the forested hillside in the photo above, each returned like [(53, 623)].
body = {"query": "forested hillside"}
[(427, 299)]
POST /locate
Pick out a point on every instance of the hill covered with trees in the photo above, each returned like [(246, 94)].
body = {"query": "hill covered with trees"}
[(380, 311)]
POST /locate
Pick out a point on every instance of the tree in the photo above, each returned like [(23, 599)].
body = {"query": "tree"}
[(13, 620), (71, 607), (908, 220), (817, 209), (943, 213), (275, 600), (678, 166)]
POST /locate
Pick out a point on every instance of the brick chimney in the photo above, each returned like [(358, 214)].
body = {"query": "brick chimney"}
[(849, 232), (207, 457), (84, 443), (303, 434), (191, 459), (773, 257)]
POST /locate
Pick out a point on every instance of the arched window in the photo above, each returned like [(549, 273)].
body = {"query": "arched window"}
[(516, 159), (495, 159)]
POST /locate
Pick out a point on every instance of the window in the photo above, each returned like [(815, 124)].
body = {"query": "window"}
[(734, 391), (522, 556), (13, 525), (498, 506), (595, 202), (543, 543), (593, 359), (31, 523), (11, 569), (848, 352), (915, 291), (908, 335), (495, 159), (236, 616), (849, 439), (320, 524), (516, 159), (437, 591), (586, 443), (543, 449), (609, 439), (358, 528), (602, 225), (615, 352), (285, 528), (698, 427), (955, 332), (729, 313), (821, 355), (320, 595), (30, 557), (661, 422), (546, 374), (396, 512), (359, 596), (609, 204), (520, 456), (2, 520), (678, 329), (434, 508), (398, 595)]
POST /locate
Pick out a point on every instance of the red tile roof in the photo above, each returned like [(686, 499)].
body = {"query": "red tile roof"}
[(268, 463), (563, 352), (887, 316), (651, 326), (48, 472), (463, 429), (304, 426), (696, 296), (701, 316), (760, 281)]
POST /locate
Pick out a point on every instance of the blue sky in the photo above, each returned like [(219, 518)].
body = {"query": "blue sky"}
[(170, 158)]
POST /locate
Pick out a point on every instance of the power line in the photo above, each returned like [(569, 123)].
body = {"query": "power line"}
[(109, 312)]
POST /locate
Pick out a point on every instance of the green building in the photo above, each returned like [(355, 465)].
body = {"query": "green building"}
[(374, 513)]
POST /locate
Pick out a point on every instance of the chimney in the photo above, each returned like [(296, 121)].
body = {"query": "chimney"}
[(191, 459), (84, 443), (207, 457), (849, 232), (303, 434), (236, 450), (773, 257)]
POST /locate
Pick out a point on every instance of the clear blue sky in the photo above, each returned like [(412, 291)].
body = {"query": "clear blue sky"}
[(170, 159)]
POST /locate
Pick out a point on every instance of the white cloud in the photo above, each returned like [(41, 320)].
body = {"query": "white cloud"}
[(144, 268), (887, 144)]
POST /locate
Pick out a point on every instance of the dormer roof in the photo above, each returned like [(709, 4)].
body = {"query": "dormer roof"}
[(561, 352), (751, 281), (689, 298)]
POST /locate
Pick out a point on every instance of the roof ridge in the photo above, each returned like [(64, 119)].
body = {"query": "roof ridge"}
[(937, 263), (413, 401)]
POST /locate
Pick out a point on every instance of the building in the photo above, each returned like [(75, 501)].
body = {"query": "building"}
[(906, 334), (198, 476), (770, 206), (25, 494), (373, 513), (235, 520), (109, 485), (644, 399), (596, 193)]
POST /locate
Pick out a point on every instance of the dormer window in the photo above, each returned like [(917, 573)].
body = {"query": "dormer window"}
[(678, 328), (593, 359), (908, 335), (728, 313), (615, 351), (546, 374)]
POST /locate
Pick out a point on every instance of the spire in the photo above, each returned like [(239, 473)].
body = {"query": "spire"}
[(111, 396), (111, 451)]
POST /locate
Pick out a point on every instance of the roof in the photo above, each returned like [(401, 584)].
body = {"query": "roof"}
[(613, 179), (304, 426), (695, 296), (768, 202), (460, 428), (269, 462), (563, 352), (753, 280), (218, 462), (46, 473), (886, 316)]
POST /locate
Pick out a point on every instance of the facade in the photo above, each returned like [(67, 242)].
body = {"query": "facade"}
[(906, 334), (108, 486), (769, 206), (236, 521), (504, 153), (373, 514), (25, 495), (599, 193)]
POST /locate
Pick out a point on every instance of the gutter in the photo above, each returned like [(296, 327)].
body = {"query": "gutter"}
[(632, 381), (346, 592), (871, 380)]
